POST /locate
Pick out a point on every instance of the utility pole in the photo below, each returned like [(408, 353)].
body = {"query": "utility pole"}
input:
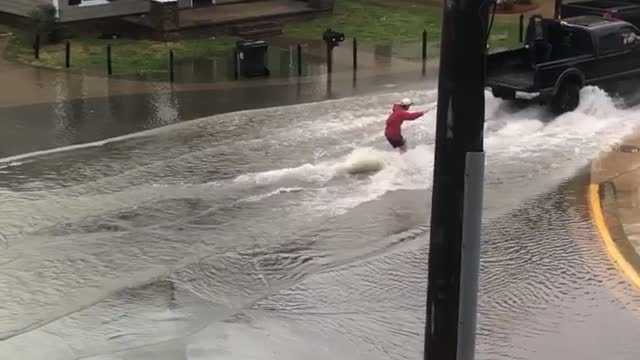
[(456, 213)]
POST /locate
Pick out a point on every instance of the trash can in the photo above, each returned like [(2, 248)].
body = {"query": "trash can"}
[(252, 58)]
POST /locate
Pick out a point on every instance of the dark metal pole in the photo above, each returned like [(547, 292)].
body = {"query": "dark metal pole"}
[(299, 60), (355, 54), (424, 45), (109, 67), (557, 9), (329, 59), (521, 28), (36, 47), (456, 205), (424, 52), (67, 55), (171, 75)]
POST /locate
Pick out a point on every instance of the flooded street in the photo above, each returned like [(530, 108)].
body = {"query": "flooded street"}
[(82, 111), (55, 109), (294, 231)]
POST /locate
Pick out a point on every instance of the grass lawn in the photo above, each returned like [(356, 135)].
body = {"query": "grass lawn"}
[(381, 22), (374, 21), (129, 57)]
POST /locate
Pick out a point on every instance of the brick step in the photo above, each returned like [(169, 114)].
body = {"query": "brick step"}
[(261, 33), (257, 29), (255, 24)]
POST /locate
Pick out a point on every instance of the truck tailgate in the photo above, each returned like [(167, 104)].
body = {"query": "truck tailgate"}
[(517, 77)]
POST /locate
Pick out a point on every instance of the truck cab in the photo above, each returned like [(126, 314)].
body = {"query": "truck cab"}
[(569, 54)]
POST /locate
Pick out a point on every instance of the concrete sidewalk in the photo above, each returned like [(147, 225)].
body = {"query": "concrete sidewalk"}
[(614, 200)]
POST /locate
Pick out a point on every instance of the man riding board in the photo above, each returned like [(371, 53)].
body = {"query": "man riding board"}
[(400, 114)]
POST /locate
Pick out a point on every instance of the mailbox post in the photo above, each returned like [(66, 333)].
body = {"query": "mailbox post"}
[(332, 39)]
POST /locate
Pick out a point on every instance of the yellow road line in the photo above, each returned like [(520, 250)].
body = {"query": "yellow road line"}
[(612, 248)]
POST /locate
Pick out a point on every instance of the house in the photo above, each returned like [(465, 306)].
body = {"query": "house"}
[(161, 17), (79, 10)]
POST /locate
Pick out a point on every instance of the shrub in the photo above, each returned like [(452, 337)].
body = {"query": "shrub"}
[(44, 21), (506, 5)]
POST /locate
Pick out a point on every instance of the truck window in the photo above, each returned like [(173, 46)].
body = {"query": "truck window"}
[(630, 37), (619, 40), (574, 42)]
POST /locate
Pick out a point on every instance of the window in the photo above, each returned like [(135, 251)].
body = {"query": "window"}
[(619, 40), (94, 2), (575, 41), (630, 37), (88, 2), (611, 42)]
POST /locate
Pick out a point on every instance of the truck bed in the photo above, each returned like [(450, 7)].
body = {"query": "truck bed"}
[(509, 69), (518, 76), (515, 70)]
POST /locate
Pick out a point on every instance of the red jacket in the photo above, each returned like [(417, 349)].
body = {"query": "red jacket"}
[(395, 120)]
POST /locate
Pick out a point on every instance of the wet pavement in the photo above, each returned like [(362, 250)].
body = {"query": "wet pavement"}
[(294, 231)]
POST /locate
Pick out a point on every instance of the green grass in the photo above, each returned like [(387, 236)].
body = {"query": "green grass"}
[(374, 21), (504, 34), (384, 22), (129, 57)]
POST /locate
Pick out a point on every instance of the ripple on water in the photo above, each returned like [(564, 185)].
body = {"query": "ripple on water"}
[(533, 292)]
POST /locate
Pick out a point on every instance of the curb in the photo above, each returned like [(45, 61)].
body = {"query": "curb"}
[(622, 262)]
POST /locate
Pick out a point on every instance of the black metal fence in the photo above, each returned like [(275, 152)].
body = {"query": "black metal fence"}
[(295, 51)]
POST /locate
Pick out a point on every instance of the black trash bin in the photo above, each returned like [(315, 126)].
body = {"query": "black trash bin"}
[(252, 58)]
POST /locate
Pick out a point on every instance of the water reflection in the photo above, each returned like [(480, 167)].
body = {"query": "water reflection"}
[(73, 116), (282, 62), (55, 108)]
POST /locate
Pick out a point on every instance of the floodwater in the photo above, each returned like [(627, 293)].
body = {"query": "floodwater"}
[(282, 62), (295, 232), (281, 59), (82, 109)]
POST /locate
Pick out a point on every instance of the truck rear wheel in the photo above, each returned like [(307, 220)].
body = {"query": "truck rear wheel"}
[(567, 99)]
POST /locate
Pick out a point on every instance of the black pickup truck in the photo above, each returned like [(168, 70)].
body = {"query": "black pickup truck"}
[(584, 50)]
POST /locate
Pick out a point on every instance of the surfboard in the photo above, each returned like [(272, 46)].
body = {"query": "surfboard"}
[(365, 166)]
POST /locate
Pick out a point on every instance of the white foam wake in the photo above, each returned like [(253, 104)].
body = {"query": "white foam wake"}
[(359, 161), (528, 151)]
